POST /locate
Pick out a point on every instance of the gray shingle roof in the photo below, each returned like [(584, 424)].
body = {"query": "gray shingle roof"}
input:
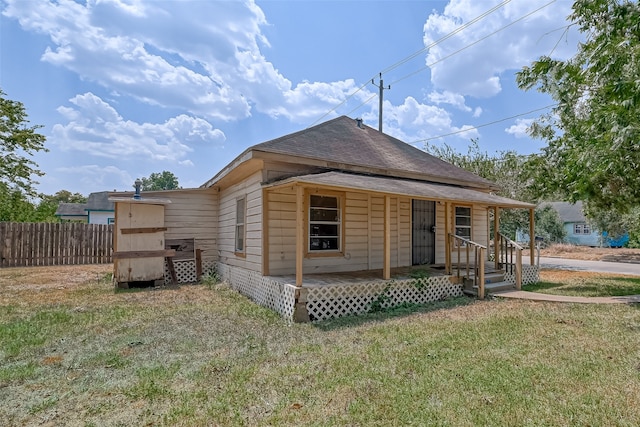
[(99, 202), (71, 209), (568, 212), (341, 141)]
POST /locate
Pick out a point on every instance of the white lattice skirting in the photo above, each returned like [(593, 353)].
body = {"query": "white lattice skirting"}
[(530, 274), (186, 270), (328, 302), (265, 291)]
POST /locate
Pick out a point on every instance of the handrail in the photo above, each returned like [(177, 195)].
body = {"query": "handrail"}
[(478, 260), (504, 257)]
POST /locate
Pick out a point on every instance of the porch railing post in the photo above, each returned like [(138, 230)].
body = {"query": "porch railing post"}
[(481, 275), (518, 270)]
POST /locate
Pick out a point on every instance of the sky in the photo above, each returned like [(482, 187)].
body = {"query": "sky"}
[(126, 88)]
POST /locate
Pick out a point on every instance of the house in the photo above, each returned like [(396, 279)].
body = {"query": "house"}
[(579, 231), (321, 222), (97, 210), (72, 212)]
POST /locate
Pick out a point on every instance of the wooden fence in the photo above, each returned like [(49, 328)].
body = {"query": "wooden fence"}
[(39, 244)]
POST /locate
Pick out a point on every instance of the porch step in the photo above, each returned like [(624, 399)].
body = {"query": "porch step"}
[(489, 288)]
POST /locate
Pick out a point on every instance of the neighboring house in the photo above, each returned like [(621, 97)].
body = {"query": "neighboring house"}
[(578, 230), (284, 219), (97, 210), (72, 212)]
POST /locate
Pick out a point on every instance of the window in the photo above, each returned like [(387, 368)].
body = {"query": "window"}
[(581, 228), (325, 225), (463, 222), (240, 218), (111, 221)]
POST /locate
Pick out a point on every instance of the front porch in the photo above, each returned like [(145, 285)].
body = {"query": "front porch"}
[(332, 295)]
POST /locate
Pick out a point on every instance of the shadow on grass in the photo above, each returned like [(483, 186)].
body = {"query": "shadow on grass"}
[(391, 313), (541, 286)]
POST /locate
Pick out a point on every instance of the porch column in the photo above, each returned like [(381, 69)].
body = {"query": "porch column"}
[(300, 230), (532, 237), (496, 236), (386, 270), (447, 239)]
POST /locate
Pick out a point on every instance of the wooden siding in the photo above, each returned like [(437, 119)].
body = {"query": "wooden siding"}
[(193, 214), (363, 239), (479, 229), (250, 188)]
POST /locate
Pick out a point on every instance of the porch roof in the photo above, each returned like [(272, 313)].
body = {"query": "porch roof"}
[(409, 188)]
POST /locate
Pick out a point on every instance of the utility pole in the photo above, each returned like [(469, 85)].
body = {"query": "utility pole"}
[(382, 88)]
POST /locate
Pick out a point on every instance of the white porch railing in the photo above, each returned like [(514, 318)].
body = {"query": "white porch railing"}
[(508, 256)]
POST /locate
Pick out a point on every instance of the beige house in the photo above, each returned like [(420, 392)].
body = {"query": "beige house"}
[(322, 222)]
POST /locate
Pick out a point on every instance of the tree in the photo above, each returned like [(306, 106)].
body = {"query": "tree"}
[(48, 205), (593, 133), (17, 140), (160, 181), (507, 169)]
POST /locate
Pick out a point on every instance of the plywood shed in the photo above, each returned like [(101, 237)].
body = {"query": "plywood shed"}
[(139, 242)]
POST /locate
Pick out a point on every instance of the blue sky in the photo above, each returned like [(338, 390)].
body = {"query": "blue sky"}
[(125, 88)]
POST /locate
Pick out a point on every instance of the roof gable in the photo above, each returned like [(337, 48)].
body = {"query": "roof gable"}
[(99, 202), (341, 141)]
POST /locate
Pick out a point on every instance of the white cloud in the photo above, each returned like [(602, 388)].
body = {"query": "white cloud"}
[(476, 71), (448, 97), (95, 127), (412, 121), (98, 178), (519, 130), (203, 57)]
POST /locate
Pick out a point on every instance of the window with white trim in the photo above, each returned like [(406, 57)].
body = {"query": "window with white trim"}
[(463, 222), (325, 223), (581, 228), (240, 221)]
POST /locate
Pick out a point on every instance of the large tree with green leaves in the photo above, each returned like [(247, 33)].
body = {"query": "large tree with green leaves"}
[(18, 142), (593, 133), (164, 180)]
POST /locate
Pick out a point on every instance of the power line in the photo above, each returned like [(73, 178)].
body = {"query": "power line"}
[(410, 57), (448, 36), (483, 125), (474, 43), (457, 51)]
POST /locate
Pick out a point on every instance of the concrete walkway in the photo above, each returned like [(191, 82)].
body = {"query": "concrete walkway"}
[(534, 296), (597, 266)]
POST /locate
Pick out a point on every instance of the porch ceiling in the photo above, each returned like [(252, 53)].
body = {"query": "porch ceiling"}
[(409, 188)]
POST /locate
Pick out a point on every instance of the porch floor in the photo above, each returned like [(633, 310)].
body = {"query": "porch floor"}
[(364, 276)]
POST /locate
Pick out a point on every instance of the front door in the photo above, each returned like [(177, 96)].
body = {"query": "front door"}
[(423, 234)]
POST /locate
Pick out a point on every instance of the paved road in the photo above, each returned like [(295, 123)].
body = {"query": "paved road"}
[(597, 266)]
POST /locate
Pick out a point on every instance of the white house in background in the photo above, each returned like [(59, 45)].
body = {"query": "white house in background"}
[(97, 210)]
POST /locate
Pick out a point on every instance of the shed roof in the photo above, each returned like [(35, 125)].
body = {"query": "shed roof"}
[(409, 188)]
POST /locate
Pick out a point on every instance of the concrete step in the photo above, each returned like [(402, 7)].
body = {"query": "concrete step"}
[(498, 286)]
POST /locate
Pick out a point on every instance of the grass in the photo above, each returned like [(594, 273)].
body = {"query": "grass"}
[(585, 284), (192, 356)]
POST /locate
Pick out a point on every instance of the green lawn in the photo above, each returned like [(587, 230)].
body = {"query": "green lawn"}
[(199, 355), (586, 285)]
